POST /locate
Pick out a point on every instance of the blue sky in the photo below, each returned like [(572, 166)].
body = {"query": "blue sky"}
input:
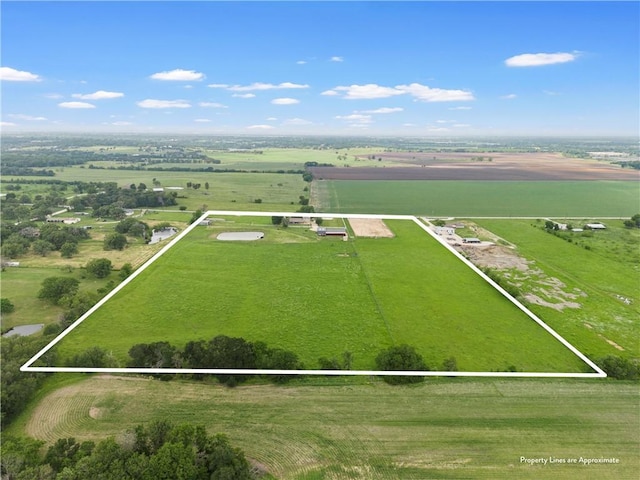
[(352, 68)]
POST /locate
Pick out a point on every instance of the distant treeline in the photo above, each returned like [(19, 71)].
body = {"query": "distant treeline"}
[(187, 169)]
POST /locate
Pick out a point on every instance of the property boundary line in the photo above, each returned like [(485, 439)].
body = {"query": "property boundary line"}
[(28, 366)]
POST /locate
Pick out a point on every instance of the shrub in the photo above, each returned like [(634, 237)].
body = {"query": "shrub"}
[(403, 358)]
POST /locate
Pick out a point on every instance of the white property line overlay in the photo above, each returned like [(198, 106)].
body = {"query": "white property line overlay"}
[(28, 368)]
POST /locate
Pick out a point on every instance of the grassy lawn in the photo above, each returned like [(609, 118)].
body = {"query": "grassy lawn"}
[(440, 429), (321, 297), (470, 198), (607, 272), (22, 284)]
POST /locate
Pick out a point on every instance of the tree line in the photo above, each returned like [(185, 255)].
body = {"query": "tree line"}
[(156, 451)]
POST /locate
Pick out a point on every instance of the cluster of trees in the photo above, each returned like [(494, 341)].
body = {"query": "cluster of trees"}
[(17, 240), (159, 450), (219, 352), (134, 228), (112, 200), (620, 368), (18, 388)]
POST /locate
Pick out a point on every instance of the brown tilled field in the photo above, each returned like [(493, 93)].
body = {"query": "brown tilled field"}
[(462, 166)]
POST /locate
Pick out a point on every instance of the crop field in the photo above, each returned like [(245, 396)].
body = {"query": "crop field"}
[(481, 198), (444, 428), (319, 297)]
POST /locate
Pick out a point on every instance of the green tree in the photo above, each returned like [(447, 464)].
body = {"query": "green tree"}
[(402, 358), (68, 249), (115, 241), (125, 271), (55, 288), (6, 306), (42, 247), (99, 267)]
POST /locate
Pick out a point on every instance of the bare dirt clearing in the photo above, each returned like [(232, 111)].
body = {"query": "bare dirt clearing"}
[(370, 227), (538, 288), (466, 166)]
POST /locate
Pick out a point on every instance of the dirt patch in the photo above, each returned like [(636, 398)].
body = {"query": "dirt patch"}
[(95, 413), (461, 166), (370, 227), (495, 256)]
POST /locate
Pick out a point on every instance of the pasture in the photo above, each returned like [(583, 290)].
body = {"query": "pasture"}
[(573, 199), (320, 297), (444, 428), (606, 272)]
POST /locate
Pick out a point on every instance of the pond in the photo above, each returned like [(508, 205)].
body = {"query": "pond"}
[(245, 236), (159, 235), (24, 330)]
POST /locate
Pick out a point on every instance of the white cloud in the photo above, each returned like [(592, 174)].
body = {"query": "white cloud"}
[(461, 125), (437, 129), (272, 119), (297, 121), (356, 117), (336, 59), (244, 95), (301, 62), (511, 96), (385, 110), (460, 108), (99, 95), (12, 75), (178, 75), (549, 92), (53, 96), (152, 103), (539, 59), (420, 92), (330, 93), (428, 94), (259, 86), (7, 124), (76, 105), (202, 120), (212, 105), (260, 127), (368, 91), (21, 116), (409, 125), (285, 101)]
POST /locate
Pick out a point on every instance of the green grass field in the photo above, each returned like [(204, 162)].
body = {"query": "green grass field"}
[(446, 428), (606, 272), (321, 297), (471, 198)]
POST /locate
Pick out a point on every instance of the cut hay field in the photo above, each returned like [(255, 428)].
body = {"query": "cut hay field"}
[(320, 297), (445, 428), (480, 198)]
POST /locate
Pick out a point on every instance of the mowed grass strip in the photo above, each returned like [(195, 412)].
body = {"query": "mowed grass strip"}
[(490, 198), (320, 297), (445, 428)]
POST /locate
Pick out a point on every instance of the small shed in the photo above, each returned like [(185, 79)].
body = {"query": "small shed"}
[(596, 226), (471, 240), (324, 231)]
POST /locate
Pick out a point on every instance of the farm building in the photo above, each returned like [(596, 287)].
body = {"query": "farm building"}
[(299, 221), (65, 220), (595, 226), (324, 231)]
